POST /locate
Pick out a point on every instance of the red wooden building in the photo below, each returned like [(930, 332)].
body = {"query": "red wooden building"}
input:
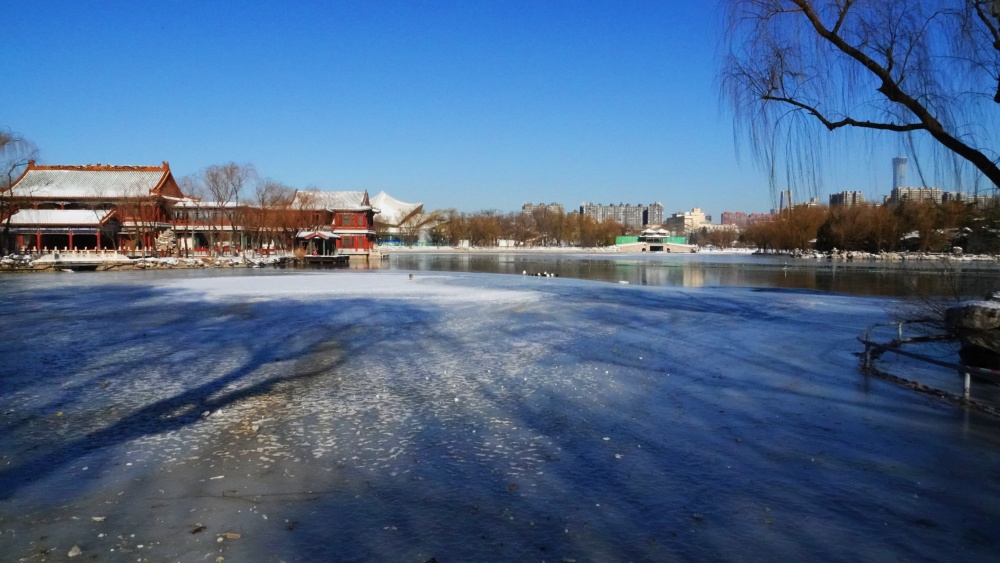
[(348, 215), (93, 206)]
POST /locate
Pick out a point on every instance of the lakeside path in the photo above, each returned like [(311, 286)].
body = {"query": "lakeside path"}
[(357, 416)]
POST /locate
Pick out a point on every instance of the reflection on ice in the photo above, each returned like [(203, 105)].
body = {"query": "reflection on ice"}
[(368, 416)]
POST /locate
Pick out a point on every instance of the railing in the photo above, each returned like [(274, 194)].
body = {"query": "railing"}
[(194, 252), (75, 253), (895, 347)]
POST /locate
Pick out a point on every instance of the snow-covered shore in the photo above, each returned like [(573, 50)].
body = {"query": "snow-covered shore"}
[(360, 415), (859, 256)]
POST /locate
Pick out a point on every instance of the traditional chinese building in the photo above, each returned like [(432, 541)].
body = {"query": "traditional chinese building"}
[(208, 227), (348, 215), (93, 206)]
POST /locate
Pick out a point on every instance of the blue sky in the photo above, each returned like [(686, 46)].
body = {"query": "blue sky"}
[(472, 105)]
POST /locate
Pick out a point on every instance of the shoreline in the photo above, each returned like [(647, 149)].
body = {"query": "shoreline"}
[(24, 264)]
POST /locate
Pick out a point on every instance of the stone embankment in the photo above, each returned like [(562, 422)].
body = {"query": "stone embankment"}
[(977, 326), (69, 261)]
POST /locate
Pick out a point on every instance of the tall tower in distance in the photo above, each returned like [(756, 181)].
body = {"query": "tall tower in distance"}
[(899, 172), (786, 200)]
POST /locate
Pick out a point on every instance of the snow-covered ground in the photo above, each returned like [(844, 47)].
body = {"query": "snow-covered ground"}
[(352, 415)]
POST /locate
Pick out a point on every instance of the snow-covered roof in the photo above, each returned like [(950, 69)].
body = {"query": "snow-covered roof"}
[(73, 217), (194, 204), (332, 201), (392, 211), (91, 181), (316, 234)]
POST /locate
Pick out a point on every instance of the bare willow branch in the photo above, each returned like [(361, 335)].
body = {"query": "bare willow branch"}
[(924, 68)]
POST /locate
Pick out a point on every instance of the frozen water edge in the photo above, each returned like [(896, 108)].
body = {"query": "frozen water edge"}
[(469, 417)]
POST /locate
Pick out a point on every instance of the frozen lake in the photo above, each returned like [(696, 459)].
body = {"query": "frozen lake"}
[(715, 269), (365, 416)]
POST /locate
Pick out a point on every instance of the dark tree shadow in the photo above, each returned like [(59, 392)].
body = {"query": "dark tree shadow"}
[(161, 324)]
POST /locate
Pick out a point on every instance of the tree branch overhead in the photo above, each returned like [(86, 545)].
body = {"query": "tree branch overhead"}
[(920, 67)]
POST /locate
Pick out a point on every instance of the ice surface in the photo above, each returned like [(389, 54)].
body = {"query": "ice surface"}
[(368, 416)]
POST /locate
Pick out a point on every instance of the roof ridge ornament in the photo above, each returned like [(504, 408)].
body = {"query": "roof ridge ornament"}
[(100, 167)]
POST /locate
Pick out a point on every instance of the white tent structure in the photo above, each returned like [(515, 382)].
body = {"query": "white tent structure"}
[(392, 212), (401, 222)]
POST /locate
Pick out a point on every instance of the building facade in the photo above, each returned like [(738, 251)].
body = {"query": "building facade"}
[(349, 215), (932, 195), (785, 201), (899, 172), (209, 227), (133, 208), (686, 222), (654, 214), (976, 200), (625, 213), (737, 218), (89, 207), (529, 208), (847, 199)]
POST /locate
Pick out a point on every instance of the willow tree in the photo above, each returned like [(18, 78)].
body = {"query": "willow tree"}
[(928, 70), (15, 153)]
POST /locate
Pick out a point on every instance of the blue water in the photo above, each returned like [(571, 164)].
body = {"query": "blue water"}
[(898, 279)]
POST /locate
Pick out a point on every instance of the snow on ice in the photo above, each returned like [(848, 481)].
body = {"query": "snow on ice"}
[(291, 416)]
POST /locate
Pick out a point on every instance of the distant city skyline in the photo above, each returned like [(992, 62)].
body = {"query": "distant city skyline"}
[(467, 105)]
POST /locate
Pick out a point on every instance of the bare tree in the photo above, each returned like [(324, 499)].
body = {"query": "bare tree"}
[(303, 212), (794, 229), (265, 219), (15, 153), (192, 186), (484, 228), (455, 228), (224, 184), (138, 214), (927, 69), (722, 238)]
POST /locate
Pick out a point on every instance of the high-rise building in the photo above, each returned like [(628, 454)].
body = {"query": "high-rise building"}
[(899, 172), (737, 218), (625, 213), (653, 214), (786, 200), (529, 208), (846, 199), (900, 195)]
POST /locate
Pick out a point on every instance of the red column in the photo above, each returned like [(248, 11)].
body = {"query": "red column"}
[(98, 239), (38, 239), (71, 239)]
